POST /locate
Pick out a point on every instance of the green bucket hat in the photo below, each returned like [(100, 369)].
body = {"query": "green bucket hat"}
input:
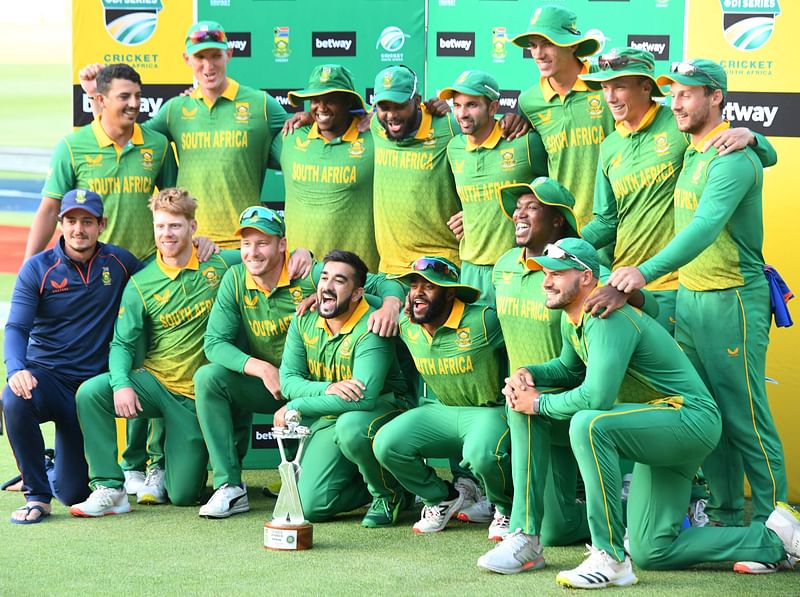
[(473, 82), (696, 73), (570, 253), (442, 272), (324, 79), (548, 191), (263, 219), (396, 84), (625, 62), (205, 34), (559, 26)]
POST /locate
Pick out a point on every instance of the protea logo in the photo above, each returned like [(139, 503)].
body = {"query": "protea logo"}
[(392, 39), (748, 24), (131, 22)]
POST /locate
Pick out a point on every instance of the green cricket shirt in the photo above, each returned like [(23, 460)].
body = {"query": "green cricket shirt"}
[(313, 358), (479, 171), (572, 128), (170, 306), (414, 194), (329, 192), (223, 151), (125, 177), (464, 362)]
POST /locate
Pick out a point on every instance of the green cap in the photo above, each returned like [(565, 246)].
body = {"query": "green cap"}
[(696, 73), (625, 62), (324, 79), (396, 84), (559, 26), (205, 34), (548, 191), (473, 82), (263, 219), (442, 272), (570, 253)]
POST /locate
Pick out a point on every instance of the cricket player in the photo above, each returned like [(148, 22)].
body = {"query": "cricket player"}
[(481, 160), (632, 390), (168, 302), (723, 305), (458, 350), (48, 353), (345, 383)]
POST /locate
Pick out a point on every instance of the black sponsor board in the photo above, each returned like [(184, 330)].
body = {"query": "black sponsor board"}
[(261, 437), (333, 43), (455, 43), (282, 97), (771, 114), (240, 43), (508, 102), (153, 99), (658, 45)]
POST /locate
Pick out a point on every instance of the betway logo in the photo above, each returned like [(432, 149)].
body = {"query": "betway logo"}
[(508, 101), (743, 113), (333, 43), (282, 97), (658, 45), (772, 114), (455, 43), (650, 47), (149, 105), (463, 44), (239, 42)]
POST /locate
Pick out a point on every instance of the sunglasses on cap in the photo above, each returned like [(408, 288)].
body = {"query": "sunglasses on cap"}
[(436, 265), (212, 35), (557, 252), (687, 69), (618, 62), (263, 213)]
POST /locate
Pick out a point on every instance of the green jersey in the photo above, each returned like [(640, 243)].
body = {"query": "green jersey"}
[(329, 192), (414, 194), (223, 151), (718, 221), (314, 358), (169, 306), (479, 171), (464, 362), (572, 128), (125, 177), (626, 357)]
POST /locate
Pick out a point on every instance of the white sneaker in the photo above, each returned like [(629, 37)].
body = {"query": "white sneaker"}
[(785, 522), (435, 518), (697, 513), (227, 500), (469, 489), (153, 490), (476, 507), (134, 481), (598, 571), (764, 567), (499, 527), (517, 552), (102, 502)]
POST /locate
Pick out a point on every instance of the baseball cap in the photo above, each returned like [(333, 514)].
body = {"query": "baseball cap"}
[(559, 26), (548, 191), (82, 199), (442, 272), (570, 253), (326, 78), (205, 34), (473, 82), (625, 62), (697, 73), (396, 84), (263, 219)]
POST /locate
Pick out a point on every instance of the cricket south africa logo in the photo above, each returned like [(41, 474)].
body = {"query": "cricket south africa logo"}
[(391, 41), (131, 22), (748, 24)]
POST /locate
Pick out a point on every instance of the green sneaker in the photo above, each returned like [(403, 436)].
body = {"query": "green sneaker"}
[(383, 512)]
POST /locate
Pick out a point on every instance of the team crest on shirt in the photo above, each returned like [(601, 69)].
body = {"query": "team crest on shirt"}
[(507, 159), (595, 106), (242, 113), (188, 114), (357, 148), (94, 161), (545, 116), (211, 277), (430, 141), (59, 286), (698, 171), (463, 340), (147, 158), (297, 294), (325, 75), (106, 276), (250, 303), (161, 298), (300, 144), (346, 348), (662, 143), (310, 340)]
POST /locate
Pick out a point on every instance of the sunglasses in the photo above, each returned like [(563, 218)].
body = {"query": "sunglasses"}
[(557, 252), (212, 35), (263, 213), (687, 69), (618, 62), (437, 265)]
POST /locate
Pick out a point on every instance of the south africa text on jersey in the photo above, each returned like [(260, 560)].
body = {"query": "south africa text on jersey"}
[(174, 319), (217, 139), (444, 365), (329, 371), (582, 135), (109, 185), (271, 327), (407, 160), (316, 173)]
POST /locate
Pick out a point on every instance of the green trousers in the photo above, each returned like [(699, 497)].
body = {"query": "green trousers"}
[(725, 334), (185, 455), (225, 401), (479, 435), (145, 444), (339, 469), (480, 277), (666, 309)]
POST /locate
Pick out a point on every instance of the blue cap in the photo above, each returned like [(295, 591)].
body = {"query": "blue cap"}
[(82, 199)]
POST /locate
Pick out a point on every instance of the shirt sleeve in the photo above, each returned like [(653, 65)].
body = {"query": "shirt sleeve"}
[(602, 230), (61, 174), (168, 175), (296, 379), (491, 324), (566, 370), (160, 122), (223, 326), (380, 285), (276, 116), (24, 304), (538, 154), (128, 330), (764, 150)]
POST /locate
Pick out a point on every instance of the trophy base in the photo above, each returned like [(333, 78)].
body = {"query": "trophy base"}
[(288, 537)]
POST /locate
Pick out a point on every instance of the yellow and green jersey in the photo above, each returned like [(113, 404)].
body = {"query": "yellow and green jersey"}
[(414, 194), (223, 151), (719, 228), (572, 128), (170, 307), (314, 357), (125, 177), (329, 192), (464, 362), (479, 171)]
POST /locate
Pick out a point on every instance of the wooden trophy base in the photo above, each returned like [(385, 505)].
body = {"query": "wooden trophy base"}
[(288, 537)]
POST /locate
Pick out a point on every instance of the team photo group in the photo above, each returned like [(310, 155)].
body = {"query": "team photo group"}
[(569, 305)]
